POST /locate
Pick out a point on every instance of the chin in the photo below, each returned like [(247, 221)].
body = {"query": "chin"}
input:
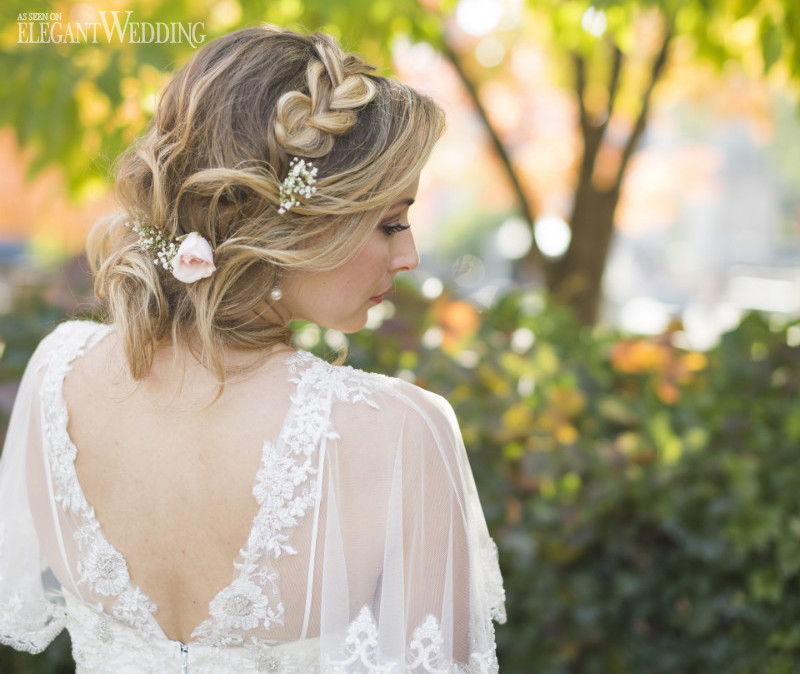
[(353, 324), (352, 328)]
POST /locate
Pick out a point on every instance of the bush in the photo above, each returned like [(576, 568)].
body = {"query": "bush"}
[(644, 498)]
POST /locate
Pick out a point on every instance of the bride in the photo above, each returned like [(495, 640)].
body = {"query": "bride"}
[(183, 490)]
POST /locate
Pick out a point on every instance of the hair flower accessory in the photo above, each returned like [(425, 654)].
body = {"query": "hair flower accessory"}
[(300, 181), (194, 259), (189, 257)]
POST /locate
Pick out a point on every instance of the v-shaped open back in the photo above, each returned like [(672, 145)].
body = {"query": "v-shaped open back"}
[(227, 501), (365, 544)]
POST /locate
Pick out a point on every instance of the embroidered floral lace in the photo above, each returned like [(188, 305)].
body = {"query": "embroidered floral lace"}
[(399, 572)]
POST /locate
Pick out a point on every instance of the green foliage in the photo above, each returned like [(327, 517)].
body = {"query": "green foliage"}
[(55, 660), (79, 104), (643, 498), (765, 25)]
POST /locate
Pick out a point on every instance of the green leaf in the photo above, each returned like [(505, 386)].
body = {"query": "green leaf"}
[(771, 43)]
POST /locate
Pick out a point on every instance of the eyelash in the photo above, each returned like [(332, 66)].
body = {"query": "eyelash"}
[(390, 230)]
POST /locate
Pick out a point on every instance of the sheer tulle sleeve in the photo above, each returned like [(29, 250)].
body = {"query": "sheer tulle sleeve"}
[(410, 579), (31, 608)]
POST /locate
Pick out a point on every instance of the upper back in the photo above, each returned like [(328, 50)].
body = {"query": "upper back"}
[(169, 476), (220, 523)]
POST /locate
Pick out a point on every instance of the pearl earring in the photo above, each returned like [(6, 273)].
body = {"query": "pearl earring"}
[(276, 293)]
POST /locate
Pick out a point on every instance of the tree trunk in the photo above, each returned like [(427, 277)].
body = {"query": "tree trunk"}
[(576, 279)]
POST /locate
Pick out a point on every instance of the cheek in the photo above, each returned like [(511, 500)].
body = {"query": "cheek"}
[(334, 292), (372, 260)]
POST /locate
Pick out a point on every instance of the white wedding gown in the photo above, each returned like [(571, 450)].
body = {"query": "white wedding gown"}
[(369, 552)]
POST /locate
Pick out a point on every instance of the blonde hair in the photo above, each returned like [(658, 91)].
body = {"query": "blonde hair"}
[(212, 162)]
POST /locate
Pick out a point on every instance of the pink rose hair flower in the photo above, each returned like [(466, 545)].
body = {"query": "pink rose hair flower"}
[(194, 259), (189, 257)]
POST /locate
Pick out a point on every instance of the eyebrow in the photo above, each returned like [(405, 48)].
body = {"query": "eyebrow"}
[(401, 204), (395, 209)]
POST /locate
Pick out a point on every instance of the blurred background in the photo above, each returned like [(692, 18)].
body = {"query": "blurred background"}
[(609, 290)]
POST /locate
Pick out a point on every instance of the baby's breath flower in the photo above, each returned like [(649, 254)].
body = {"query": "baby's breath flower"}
[(153, 240), (301, 181)]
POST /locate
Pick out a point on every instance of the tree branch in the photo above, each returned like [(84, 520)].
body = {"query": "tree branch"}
[(641, 121), (580, 90), (593, 133), (613, 86), (526, 206)]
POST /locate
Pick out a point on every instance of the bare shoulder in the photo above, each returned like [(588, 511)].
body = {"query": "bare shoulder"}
[(72, 338), (95, 358), (77, 332), (57, 353)]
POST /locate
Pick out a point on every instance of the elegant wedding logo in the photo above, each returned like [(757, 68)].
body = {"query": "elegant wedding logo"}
[(48, 27)]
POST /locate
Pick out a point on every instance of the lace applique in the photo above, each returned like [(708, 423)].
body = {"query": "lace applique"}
[(344, 382), (424, 654), (285, 489), (360, 648), (101, 568), (101, 645), (133, 607), (281, 507), (244, 606), (268, 661), (33, 626), (483, 663), (296, 657), (28, 625), (425, 649), (493, 581)]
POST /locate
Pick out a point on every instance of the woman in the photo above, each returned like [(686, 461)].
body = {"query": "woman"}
[(182, 489)]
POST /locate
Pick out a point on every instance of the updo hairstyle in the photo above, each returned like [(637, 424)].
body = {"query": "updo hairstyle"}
[(212, 161)]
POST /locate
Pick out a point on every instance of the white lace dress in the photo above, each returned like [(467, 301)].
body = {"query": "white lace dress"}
[(366, 495)]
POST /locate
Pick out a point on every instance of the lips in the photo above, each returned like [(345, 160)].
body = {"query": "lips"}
[(379, 298)]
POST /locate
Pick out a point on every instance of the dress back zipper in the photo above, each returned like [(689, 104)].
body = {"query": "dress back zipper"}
[(184, 659)]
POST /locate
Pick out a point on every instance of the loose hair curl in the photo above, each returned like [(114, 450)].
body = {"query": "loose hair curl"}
[(212, 162)]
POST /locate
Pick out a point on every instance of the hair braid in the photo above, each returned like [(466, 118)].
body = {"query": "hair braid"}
[(338, 85)]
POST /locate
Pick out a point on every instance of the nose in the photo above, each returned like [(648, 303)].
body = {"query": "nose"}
[(404, 254)]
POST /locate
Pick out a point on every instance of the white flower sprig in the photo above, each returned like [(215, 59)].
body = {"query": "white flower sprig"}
[(301, 181), (153, 240), (189, 257)]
